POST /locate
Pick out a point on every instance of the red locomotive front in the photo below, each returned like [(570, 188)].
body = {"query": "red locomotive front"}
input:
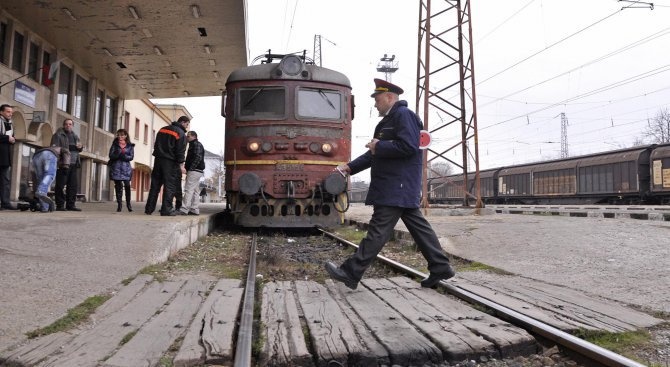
[(288, 126)]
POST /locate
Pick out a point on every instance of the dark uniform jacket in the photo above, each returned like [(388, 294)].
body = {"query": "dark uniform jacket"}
[(396, 166), (195, 159), (171, 143)]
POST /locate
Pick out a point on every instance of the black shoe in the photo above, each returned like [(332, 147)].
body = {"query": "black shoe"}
[(169, 214), (192, 213), (148, 213), (60, 209), (340, 275), (434, 278), (9, 207), (46, 199), (73, 209), (179, 212), (130, 207)]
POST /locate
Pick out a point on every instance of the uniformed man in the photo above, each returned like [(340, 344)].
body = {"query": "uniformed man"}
[(395, 163)]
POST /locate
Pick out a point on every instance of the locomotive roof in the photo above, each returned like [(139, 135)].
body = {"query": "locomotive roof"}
[(265, 72)]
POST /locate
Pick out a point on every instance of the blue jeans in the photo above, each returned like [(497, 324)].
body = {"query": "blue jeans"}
[(44, 166)]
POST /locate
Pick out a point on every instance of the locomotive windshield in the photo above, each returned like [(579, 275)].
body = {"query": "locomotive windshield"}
[(262, 102), (319, 104)]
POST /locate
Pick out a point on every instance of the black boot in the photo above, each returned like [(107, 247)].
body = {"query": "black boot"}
[(128, 194), (119, 196)]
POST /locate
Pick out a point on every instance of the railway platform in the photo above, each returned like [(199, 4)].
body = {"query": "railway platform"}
[(51, 264)]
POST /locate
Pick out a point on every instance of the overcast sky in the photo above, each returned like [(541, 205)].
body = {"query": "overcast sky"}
[(606, 68)]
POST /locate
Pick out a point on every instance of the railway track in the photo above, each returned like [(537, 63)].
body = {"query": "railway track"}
[(579, 346), (225, 329)]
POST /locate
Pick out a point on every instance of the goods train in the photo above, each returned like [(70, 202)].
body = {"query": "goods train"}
[(638, 175), (288, 126)]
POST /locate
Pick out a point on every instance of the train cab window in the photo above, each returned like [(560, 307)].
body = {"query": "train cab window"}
[(261, 103), (319, 104)]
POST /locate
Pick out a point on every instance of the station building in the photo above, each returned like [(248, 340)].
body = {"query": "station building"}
[(99, 63)]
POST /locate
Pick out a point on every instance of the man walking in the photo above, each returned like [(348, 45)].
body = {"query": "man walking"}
[(195, 168), (6, 147), (169, 150), (66, 176), (395, 163)]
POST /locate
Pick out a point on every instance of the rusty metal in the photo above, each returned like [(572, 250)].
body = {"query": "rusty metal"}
[(446, 60), (243, 348)]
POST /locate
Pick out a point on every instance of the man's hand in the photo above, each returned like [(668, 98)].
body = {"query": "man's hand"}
[(372, 145), (11, 139), (343, 169)]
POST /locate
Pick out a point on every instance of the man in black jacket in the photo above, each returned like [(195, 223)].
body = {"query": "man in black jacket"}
[(67, 177), (6, 146), (169, 152), (195, 167)]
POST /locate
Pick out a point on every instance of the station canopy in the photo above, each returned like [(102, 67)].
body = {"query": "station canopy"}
[(143, 49)]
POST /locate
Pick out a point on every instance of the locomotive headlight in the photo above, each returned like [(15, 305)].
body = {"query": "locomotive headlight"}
[(266, 146), (326, 147), (291, 65), (253, 146)]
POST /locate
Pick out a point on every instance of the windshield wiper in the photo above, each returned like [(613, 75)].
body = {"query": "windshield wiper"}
[(253, 97), (324, 96)]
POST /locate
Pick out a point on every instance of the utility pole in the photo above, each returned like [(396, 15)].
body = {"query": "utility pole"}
[(317, 50), (564, 136), (388, 66)]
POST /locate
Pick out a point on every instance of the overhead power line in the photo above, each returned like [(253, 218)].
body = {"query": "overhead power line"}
[(546, 48)]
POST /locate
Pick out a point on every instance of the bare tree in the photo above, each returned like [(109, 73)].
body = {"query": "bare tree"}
[(658, 128), (438, 169)]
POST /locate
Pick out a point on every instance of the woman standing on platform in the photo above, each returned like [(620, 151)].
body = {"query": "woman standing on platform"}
[(121, 153)]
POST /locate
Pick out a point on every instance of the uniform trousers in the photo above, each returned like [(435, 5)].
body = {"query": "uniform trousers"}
[(166, 174), (382, 223), (66, 187), (5, 183)]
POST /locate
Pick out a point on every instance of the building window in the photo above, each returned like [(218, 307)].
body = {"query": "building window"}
[(46, 60), (146, 134), (126, 121), (110, 114), (17, 56), (81, 99), (99, 108), (33, 55), (137, 129), (3, 42), (64, 86)]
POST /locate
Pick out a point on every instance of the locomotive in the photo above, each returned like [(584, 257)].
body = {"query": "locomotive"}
[(288, 126), (638, 175)]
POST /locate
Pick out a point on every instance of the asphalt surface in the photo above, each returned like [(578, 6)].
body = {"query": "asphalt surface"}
[(51, 262)]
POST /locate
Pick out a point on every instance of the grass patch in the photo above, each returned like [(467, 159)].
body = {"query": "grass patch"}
[(126, 338), (477, 266), (219, 254), (74, 317), (625, 343), (351, 234)]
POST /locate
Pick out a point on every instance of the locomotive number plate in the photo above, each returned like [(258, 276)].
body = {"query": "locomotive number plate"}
[(289, 167)]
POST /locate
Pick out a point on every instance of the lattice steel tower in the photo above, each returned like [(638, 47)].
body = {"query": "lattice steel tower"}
[(564, 136), (388, 66), (446, 87)]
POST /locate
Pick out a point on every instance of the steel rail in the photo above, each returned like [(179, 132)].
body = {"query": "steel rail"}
[(244, 334), (573, 343)]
